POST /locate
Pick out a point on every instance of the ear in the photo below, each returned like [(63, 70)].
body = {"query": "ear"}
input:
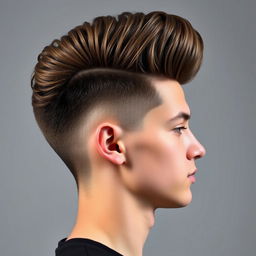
[(109, 144)]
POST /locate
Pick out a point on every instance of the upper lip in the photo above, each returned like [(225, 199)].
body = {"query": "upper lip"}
[(194, 172)]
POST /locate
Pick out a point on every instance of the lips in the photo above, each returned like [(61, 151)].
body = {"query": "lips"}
[(193, 173)]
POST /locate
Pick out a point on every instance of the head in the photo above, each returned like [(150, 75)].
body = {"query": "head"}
[(103, 94)]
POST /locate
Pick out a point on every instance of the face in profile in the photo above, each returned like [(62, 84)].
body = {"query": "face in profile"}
[(162, 154)]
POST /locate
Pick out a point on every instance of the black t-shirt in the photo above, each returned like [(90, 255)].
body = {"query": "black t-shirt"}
[(83, 247)]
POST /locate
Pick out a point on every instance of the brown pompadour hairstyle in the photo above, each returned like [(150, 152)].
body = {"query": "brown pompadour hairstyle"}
[(109, 65)]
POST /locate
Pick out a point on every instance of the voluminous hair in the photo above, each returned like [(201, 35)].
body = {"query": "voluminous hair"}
[(110, 64)]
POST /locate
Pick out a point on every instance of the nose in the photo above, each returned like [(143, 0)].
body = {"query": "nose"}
[(196, 149)]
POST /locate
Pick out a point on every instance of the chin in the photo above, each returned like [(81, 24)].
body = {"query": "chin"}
[(177, 203), (187, 200), (184, 204), (173, 201), (182, 201)]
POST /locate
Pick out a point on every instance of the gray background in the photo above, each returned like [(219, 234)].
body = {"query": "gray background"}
[(38, 194)]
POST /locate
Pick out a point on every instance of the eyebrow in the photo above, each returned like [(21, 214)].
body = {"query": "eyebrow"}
[(180, 115)]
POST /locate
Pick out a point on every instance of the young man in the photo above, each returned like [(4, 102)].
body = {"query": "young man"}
[(108, 98)]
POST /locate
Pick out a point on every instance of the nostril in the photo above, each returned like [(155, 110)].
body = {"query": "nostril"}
[(117, 148), (200, 154)]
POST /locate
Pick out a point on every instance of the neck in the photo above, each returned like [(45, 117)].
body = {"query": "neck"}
[(110, 214)]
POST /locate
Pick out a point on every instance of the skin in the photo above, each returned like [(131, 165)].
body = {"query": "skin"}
[(135, 173)]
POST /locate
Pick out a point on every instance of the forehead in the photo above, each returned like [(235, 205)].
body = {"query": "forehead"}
[(173, 96)]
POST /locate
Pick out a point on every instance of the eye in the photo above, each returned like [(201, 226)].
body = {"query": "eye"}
[(178, 129)]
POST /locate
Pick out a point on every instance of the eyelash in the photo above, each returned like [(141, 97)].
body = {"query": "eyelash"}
[(178, 129)]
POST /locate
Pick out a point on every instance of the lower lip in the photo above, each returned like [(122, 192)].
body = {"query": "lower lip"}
[(192, 178)]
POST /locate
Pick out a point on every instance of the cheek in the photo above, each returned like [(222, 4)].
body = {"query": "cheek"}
[(156, 172), (171, 152), (155, 162)]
